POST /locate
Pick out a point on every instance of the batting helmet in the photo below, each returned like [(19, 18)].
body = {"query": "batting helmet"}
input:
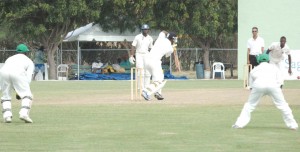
[(171, 35), (263, 58), (145, 27), (22, 48)]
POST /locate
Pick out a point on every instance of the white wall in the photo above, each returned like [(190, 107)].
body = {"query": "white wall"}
[(274, 18)]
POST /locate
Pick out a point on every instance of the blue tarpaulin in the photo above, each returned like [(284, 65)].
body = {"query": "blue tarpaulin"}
[(117, 76)]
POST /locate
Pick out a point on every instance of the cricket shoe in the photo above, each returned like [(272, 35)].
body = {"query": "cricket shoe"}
[(294, 127), (236, 127), (158, 96), (26, 118), (145, 95), (7, 119)]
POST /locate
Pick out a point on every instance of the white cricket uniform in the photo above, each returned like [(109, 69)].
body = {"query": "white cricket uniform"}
[(16, 74), (265, 80), (277, 56), (162, 46), (255, 45), (142, 44)]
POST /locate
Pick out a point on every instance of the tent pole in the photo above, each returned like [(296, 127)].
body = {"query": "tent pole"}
[(78, 74)]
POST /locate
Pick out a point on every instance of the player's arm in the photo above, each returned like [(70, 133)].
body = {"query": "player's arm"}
[(170, 50), (271, 47), (132, 51)]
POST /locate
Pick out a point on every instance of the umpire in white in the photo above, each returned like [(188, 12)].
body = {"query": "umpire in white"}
[(17, 74), (265, 79)]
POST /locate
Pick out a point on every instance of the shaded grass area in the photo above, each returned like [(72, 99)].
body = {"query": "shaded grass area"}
[(140, 127)]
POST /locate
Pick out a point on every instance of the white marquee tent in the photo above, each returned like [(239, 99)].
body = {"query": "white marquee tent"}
[(93, 32)]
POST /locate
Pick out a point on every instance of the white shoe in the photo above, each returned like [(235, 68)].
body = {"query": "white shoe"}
[(145, 95), (293, 128), (236, 127), (26, 119), (7, 119)]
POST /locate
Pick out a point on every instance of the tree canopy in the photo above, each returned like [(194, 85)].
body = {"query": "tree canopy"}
[(47, 21), (203, 21)]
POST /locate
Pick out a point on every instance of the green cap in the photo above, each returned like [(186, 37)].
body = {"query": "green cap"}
[(263, 58), (22, 48)]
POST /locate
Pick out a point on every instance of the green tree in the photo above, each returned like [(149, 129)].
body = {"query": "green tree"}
[(203, 21), (47, 21), (126, 14)]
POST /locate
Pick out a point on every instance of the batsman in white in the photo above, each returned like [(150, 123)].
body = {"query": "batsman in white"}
[(265, 80), (17, 74), (276, 52), (162, 46), (141, 46)]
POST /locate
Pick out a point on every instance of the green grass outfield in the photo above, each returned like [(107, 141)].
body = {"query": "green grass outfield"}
[(98, 116)]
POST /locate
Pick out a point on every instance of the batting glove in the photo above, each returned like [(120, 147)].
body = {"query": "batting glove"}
[(132, 60)]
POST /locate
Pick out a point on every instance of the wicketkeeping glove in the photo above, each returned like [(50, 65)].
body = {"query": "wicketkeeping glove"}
[(132, 60)]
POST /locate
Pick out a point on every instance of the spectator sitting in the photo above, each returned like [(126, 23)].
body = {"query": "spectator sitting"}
[(117, 66), (96, 66), (124, 62)]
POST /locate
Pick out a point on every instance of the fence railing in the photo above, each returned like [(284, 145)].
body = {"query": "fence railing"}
[(188, 56)]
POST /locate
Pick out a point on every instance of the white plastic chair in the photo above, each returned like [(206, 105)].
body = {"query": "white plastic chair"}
[(62, 72), (218, 67)]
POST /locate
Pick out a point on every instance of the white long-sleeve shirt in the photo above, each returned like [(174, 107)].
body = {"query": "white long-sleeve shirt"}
[(276, 54), (265, 75), (19, 64), (161, 47)]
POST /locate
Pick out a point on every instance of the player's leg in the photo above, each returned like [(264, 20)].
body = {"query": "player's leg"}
[(280, 66), (140, 73), (6, 101), (36, 70), (158, 75), (282, 105), (249, 106), (157, 79), (43, 70), (22, 88), (253, 61), (153, 88)]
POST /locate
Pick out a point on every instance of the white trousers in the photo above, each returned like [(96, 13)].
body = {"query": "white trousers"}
[(146, 76), (20, 84), (280, 66), (153, 66), (278, 100)]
